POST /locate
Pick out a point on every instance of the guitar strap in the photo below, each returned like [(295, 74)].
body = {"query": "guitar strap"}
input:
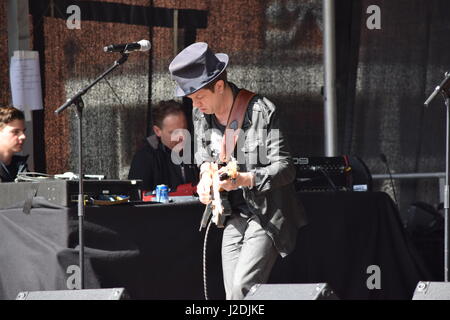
[(229, 140), (234, 124)]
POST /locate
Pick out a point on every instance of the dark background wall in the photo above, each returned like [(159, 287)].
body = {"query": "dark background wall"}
[(275, 47), (398, 68)]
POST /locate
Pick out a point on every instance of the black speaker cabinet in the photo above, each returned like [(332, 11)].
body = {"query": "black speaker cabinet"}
[(306, 291), (85, 294), (432, 291)]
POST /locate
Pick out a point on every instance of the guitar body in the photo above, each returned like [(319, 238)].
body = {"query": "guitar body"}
[(217, 205)]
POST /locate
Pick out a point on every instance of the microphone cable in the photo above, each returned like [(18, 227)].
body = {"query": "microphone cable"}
[(205, 286), (328, 178), (385, 161)]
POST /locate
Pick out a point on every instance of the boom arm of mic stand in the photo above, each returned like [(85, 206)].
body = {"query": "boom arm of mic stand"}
[(82, 92)]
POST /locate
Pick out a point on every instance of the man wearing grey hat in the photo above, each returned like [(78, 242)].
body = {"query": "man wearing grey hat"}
[(264, 212)]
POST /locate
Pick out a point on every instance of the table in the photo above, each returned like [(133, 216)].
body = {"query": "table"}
[(155, 250)]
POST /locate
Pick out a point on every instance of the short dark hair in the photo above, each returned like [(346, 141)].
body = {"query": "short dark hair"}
[(9, 114), (222, 76), (164, 109)]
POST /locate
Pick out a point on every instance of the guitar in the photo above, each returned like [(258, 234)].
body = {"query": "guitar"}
[(234, 124), (216, 205)]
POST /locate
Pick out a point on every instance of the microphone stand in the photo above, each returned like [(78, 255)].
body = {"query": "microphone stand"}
[(385, 161), (446, 188), (78, 102), (442, 88)]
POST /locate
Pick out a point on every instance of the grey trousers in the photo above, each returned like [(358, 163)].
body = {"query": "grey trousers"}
[(248, 255)]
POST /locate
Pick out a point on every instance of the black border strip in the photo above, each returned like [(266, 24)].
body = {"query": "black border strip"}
[(121, 13)]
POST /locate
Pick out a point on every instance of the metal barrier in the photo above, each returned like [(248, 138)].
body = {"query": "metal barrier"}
[(427, 175)]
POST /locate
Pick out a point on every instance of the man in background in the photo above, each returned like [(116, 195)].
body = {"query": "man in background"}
[(154, 162), (12, 138)]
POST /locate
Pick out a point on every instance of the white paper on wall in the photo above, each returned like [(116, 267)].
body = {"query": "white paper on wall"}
[(25, 77)]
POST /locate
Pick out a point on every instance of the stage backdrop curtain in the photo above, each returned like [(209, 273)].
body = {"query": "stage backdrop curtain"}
[(399, 65)]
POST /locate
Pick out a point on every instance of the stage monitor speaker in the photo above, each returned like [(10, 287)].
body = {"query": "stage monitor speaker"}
[(85, 294), (306, 291), (432, 291)]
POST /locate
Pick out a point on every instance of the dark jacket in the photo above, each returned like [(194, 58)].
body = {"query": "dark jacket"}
[(18, 165), (153, 164), (265, 153)]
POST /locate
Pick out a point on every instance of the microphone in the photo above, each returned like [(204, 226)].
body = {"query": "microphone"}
[(143, 45), (442, 86), (384, 159)]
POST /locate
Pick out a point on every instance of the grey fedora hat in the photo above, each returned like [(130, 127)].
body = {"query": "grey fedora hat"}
[(195, 67)]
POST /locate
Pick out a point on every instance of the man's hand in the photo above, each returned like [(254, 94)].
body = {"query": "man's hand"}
[(204, 186), (243, 179)]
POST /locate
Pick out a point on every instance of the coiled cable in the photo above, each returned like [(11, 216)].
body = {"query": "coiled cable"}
[(205, 286)]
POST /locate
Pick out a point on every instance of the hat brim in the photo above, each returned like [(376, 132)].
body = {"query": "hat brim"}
[(222, 58)]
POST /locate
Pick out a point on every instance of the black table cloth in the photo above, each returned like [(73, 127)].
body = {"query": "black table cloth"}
[(154, 251)]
